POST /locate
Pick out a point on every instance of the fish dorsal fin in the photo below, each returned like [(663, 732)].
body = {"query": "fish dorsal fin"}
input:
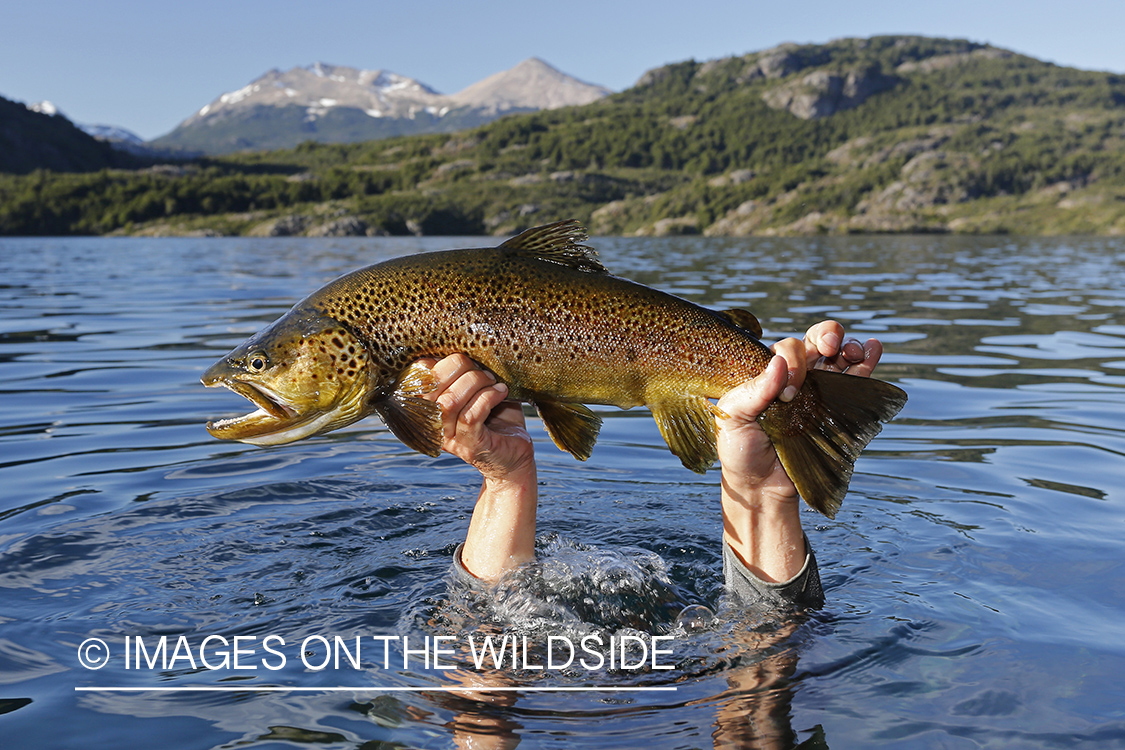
[(560, 243), (744, 319)]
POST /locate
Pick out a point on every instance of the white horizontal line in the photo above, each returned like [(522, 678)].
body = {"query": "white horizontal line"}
[(368, 689)]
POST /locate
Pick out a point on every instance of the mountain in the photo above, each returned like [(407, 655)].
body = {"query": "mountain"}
[(887, 134), (337, 104), (39, 137), (112, 133), (531, 85)]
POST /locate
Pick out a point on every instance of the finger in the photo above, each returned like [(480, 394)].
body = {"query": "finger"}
[(453, 366), (823, 340), (479, 407), (448, 370), (872, 352), (792, 352), (851, 353), (746, 402), (458, 395)]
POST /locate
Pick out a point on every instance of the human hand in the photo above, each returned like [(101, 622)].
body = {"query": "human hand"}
[(761, 506), (745, 452), (478, 425), (489, 433)]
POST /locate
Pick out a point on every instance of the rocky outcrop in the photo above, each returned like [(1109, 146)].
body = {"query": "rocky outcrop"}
[(929, 179), (286, 226), (347, 226), (941, 62), (823, 93), (679, 225)]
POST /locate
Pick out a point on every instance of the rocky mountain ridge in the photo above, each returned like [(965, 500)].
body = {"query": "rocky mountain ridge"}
[(340, 104), (887, 134)]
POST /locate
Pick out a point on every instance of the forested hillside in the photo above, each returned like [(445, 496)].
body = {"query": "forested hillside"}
[(890, 134), (33, 140)]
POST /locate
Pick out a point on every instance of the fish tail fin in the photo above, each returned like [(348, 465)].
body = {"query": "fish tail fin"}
[(820, 434)]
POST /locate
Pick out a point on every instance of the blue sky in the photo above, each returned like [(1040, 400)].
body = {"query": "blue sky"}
[(148, 65)]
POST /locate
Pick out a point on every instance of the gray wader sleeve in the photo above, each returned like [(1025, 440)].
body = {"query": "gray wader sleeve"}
[(803, 589)]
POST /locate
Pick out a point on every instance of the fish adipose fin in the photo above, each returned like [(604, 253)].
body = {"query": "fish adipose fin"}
[(688, 426), (560, 243), (412, 419), (573, 427), (819, 435), (743, 319)]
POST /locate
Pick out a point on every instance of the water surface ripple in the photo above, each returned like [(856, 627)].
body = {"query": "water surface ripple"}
[(975, 576)]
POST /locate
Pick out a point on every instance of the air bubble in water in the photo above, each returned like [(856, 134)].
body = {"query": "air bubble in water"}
[(695, 618)]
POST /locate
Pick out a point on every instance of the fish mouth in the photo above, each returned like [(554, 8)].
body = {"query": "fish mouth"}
[(272, 415)]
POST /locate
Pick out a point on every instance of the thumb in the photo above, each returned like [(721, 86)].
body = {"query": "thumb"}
[(746, 402)]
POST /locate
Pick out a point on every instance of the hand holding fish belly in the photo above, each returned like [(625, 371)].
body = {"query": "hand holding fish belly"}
[(550, 322), (490, 434)]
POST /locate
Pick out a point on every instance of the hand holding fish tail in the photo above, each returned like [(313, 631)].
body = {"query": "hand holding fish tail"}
[(761, 505), (823, 350)]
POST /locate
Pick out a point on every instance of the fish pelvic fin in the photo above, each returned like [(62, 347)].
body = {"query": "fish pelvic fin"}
[(411, 418), (560, 243), (688, 427), (573, 427), (820, 434)]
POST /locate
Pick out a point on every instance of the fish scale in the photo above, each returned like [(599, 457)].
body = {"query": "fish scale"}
[(543, 315)]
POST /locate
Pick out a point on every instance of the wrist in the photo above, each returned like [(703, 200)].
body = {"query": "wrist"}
[(762, 526), (501, 532)]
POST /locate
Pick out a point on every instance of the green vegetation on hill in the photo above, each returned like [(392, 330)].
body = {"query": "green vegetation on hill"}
[(891, 134), (33, 140)]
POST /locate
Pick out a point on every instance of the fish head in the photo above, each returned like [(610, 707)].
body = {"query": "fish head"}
[(306, 374)]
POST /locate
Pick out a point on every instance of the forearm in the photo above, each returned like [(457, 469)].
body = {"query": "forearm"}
[(762, 526), (502, 530)]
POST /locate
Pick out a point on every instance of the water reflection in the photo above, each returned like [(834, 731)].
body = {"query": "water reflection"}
[(974, 577)]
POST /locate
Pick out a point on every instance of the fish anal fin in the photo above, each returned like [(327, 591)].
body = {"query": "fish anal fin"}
[(560, 243), (688, 427), (413, 420), (743, 319), (820, 434), (573, 427)]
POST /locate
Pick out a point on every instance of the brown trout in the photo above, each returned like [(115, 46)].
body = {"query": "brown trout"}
[(543, 315)]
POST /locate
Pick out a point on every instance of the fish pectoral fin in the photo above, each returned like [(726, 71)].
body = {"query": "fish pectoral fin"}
[(688, 426), (743, 319), (413, 420), (573, 427), (560, 243), (415, 380)]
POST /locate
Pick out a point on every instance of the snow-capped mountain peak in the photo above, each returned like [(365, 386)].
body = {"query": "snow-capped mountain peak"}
[(283, 108)]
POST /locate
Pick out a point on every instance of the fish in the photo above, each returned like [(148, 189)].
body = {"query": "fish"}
[(543, 315)]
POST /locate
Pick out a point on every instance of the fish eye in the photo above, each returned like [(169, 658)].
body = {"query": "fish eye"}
[(256, 362)]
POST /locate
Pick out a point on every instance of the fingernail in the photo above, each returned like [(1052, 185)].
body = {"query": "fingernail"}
[(501, 387), (788, 393), (832, 341)]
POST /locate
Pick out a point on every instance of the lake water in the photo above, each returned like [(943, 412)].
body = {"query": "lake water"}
[(975, 576)]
